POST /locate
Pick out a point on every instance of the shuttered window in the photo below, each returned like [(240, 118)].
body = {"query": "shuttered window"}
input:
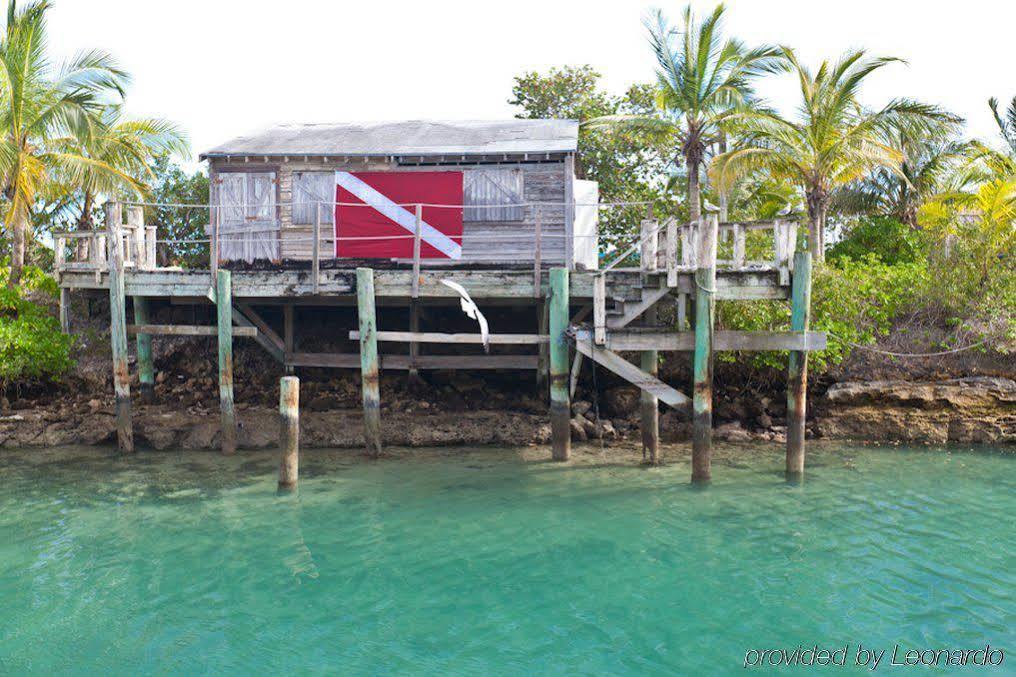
[(309, 190), (497, 192)]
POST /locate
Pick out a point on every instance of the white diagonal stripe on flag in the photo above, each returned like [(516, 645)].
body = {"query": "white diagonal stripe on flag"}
[(400, 215)]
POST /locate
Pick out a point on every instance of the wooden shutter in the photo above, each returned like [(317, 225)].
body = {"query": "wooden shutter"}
[(309, 190), (498, 191)]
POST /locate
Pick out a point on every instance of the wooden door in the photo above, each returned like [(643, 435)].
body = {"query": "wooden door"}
[(249, 229)]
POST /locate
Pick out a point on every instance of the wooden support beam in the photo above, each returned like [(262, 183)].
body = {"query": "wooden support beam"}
[(702, 407), (393, 362), (576, 369), (414, 303), (369, 371), (748, 341), (245, 316), (437, 337), (289, 432), (288, 338), (187, 330), (118, 329), (634, 309), (650, 405), (543, 352), (560, 409), (146, 367), (224, 314), (797, 372), (600, 308), (628, 371)]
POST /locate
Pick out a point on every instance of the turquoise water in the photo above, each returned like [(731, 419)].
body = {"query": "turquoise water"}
[(485, 564)]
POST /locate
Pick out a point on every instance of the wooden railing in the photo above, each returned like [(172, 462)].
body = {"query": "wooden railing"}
[(88, 250)]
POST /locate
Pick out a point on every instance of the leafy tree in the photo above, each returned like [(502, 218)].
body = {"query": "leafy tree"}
[(884, 237), (628, 168), (42, 113), (1006, 122), (179, 225), (831, 144), (700, 79)]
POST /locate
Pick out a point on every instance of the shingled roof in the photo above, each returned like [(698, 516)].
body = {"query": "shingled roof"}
[(407, 138)]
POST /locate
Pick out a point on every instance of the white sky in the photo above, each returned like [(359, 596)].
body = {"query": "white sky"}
[(220, 68)]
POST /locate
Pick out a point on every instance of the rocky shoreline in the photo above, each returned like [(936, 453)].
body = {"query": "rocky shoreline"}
[(977, 410)]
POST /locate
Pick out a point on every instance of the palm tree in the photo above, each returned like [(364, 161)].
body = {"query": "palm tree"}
[(929, 160), (129, 146), (833, 143), (40, 110), (700, 78), (1006, 122)]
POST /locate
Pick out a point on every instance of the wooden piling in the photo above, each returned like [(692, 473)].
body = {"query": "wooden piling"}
[(289, 432), (146, 367), (414, 301), (65, 310), (797, 372), (650, 403), (224, 313), (118, 328), (288, 336), (702, 401), (369, 361), (560, 408)]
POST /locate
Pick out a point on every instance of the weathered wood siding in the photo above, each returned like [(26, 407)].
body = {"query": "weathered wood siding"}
[(487, 241)]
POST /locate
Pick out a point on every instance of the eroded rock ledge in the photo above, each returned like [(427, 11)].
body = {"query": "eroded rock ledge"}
[(969, 410)]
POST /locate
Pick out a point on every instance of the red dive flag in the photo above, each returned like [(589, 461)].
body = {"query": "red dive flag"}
[(380, 208)]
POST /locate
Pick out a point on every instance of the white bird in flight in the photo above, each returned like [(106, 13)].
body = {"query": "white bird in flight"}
[(472, 311)]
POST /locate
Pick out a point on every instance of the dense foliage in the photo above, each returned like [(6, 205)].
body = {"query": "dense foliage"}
[(31, 343)]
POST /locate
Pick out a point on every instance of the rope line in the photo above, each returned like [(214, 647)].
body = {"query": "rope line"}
[(891, 353)]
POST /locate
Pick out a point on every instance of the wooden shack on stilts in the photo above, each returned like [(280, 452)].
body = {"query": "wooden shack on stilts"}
[(400, 217)]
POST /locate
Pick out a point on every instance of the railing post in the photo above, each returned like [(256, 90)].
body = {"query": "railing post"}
[(560, 409), (118, 328), (537, 252), (650, 246), (369, 370), (672, 253), (135, 219), (414, 301), (316, 264), (739, 236), (797, 372), (224, 312), (289, 432), (213, 248), (151, 243), (702, 402)]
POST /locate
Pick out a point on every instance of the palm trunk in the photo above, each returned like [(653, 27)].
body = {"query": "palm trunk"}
[(16, 227), (694, 191), (85, 220), (817, 209), (724, 209)]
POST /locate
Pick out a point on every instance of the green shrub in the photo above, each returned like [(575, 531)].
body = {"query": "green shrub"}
[(855, 300), (31, 343), (883, 237)]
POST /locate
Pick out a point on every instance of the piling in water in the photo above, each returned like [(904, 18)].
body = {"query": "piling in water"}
[(702, 400), (560, 409), (224, 313), (650, 403), (118, 328), (289, 432), (797, 372), (369, 371)]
